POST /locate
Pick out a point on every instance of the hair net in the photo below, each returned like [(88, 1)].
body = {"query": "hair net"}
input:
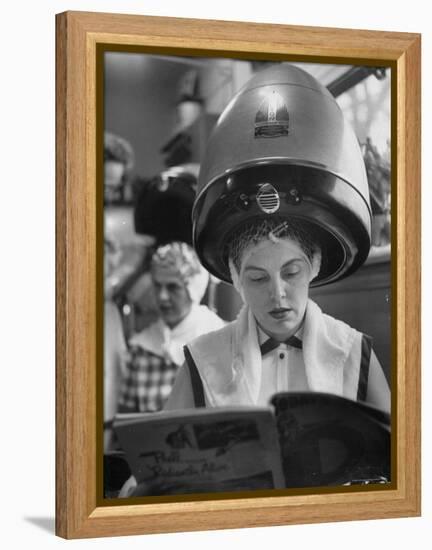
[(181, 260)]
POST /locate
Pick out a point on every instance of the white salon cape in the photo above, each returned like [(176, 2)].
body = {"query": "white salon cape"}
[(233, 372)]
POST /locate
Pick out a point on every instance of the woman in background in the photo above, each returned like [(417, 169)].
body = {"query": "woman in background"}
[(156, 353)]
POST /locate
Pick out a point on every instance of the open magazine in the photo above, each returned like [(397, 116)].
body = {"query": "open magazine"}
[(299, 440)]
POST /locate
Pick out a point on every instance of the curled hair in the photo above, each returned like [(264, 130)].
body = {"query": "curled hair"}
[(178, 257), (275, 228), (182, 260)]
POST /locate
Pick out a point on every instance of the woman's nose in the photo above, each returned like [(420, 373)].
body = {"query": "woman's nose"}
[(277, 290), (163, 294)]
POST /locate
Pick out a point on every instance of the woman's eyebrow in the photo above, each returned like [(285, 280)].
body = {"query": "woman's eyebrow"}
[(299, 259), (254, 267)]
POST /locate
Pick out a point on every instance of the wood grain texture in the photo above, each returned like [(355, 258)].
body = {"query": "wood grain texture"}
[(236, 36), (78, 34)]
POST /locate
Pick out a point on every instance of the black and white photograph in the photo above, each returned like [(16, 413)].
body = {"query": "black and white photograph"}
[(247, 276)]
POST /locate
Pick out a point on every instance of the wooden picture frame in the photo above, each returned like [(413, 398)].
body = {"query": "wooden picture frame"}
[(79, 512)]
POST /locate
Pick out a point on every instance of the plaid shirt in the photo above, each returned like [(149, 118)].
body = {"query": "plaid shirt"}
[(148, 382)]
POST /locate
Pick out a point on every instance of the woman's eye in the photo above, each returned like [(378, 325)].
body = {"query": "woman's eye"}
[(292, 272), (173, 288), (257, 277)]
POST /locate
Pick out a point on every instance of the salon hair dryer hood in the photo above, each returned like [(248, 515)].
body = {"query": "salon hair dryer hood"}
[(282, 148)]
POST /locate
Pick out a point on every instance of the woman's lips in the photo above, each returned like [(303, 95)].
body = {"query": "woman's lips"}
[(280, 313)]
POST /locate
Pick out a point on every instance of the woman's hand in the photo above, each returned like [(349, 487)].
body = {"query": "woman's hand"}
[(128, 487)]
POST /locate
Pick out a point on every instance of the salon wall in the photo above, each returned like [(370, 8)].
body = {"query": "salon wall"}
[(28, 275), (142, 95), (143, 114)]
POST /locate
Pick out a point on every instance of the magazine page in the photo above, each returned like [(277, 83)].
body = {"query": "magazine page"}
[(328, 440), (208, 450)]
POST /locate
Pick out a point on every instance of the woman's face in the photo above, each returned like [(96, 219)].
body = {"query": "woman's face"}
[(275, 278), (172, 296)]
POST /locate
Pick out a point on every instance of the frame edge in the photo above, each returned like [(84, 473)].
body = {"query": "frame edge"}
[(61, 516), (70, 519)]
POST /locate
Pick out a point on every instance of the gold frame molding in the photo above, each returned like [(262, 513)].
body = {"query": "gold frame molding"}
[(79, 512)]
